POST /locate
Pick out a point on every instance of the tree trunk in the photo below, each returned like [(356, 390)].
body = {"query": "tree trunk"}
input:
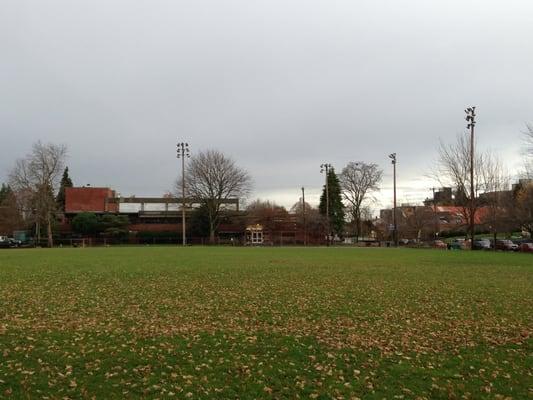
[(211, 234), (49, 229), (38, 231)]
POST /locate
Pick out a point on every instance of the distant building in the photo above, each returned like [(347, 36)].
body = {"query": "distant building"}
[(442, 197), (97, 200), (163, 215), (145, 214), (385, 214), (415, 222)]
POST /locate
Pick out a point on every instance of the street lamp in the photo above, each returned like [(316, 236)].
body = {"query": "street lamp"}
[(470, 118), (183, 152), (392, 156), (325, 168)]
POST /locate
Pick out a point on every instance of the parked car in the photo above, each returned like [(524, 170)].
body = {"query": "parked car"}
[(482, 244), (458, 244), (14, 242), (526, 247), (506, 245), (439, 244), (8, 243)]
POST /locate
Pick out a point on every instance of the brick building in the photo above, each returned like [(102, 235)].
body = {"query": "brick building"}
[(145, 214), (163, 216)]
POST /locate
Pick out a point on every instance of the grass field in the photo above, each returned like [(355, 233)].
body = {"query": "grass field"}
[(162, 322)]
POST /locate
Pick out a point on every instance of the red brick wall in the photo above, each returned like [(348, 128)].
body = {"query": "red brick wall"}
[(87, 199)]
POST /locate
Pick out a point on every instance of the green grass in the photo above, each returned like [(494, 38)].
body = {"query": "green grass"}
[(163, 322)]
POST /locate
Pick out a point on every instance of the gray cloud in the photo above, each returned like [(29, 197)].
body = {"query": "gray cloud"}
[(280, 86)]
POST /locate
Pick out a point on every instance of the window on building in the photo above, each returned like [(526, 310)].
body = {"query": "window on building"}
[(257, 237)]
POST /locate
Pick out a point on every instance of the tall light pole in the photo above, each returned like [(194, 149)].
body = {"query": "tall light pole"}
[(392, 156), (325, 168), (304, 216), (183, 152), (470, 118)]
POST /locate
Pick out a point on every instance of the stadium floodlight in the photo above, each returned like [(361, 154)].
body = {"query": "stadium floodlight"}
[(470, 117), (392, 156), (183, 152)]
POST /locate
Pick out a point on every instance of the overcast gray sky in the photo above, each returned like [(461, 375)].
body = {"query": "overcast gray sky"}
[(281, 86)]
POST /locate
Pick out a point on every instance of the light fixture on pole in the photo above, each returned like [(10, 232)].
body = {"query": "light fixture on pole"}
[(392, 156), (183, 152), (470, 118), (325, 168)]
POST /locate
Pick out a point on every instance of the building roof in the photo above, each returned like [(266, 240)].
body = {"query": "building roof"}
[(479, 217)]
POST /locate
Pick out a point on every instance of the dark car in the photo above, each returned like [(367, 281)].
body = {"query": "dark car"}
[(482, 244), (526, 247), (14, 242), (506, 245), (458, 244), (9, 243)]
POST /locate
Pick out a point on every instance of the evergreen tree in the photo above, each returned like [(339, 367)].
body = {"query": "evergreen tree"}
[(65, 182), (5, 192), (199, 222), (336, 208), (10, 218), (85, 223)]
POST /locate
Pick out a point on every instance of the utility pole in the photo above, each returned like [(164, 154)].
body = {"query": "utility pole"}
[(182, 152), (325, 168), (304, 216), (392, 156), (470, 118)]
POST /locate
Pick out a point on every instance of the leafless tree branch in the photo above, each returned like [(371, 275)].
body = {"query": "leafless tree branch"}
[(358, 180), (213, 177), (35, 178)]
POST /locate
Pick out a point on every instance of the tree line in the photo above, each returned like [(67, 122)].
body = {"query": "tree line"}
[(36, 191), (35, 194), (214, 177), (504, 209)]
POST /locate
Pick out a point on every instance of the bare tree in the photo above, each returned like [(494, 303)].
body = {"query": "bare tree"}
[(36, 177), (358, 180), (212, 177), (315, 223), (266, 213), (496, 198), (528, 140), (453, 169), (523, 205), (419, 222), (298, 209)]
